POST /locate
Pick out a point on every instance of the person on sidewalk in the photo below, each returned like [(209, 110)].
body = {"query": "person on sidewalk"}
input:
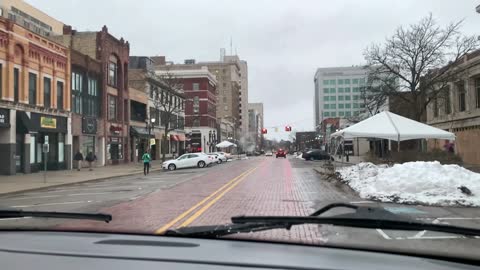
[(91, 157), (146, 162), (79, 158)]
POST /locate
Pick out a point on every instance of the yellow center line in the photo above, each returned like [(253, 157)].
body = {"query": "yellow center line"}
[(209, 204), (184, 214)]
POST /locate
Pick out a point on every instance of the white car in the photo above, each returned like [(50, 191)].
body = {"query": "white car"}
[(200, 160), (221, 157), (268, 154)]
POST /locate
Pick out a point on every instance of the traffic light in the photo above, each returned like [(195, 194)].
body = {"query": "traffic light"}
[(264, 131), (288, 128)]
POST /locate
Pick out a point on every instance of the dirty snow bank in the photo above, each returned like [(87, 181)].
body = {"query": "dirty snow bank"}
[(421, 182)]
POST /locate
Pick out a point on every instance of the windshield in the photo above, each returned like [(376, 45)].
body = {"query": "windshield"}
[(214, 110)]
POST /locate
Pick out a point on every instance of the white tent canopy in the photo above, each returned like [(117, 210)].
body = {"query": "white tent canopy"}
[(225, 144), (390, 126)]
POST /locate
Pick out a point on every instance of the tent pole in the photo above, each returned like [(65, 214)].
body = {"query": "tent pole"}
[(398, 143)]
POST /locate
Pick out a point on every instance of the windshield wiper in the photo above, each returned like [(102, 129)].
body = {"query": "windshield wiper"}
[(362, 217), (14, 213)]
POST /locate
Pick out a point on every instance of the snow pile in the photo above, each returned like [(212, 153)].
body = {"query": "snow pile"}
[(299, 155), (414, 182)]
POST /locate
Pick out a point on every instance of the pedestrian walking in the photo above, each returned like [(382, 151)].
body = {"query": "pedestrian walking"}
[(91, 157), (146, 162), (79, 158)]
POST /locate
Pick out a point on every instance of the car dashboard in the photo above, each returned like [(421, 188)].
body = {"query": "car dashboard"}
[(66, 250)]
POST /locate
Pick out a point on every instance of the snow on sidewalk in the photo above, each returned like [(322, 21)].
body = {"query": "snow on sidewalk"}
[(420, 182)]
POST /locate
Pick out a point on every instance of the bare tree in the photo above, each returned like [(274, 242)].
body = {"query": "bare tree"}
[(168, 102), (419, 59)]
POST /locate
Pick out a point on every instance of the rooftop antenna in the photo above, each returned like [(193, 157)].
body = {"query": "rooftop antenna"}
[(231, 46)]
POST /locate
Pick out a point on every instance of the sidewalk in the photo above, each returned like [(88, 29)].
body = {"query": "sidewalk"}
[(23, 182)]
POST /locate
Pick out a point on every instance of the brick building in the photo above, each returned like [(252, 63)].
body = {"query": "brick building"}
[(111, 144), (34, 103)]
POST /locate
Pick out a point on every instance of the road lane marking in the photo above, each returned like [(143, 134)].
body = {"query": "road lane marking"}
[(184, 214), (209, 204), (48, 204), (382, 233)]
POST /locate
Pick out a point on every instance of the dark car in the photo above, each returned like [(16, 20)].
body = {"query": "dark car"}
[(317, 154), (281, 153)]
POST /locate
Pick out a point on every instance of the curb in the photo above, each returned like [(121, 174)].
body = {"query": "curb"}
[(66, 184)]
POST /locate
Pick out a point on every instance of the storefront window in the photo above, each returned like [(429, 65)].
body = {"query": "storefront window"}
[(88, 145), (33, 145), (61, 147)]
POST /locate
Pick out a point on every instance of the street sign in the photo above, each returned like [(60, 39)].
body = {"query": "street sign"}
[(152, 141), (46, 139)]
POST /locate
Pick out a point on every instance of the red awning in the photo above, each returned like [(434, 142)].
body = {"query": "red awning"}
[(174, 137), (181, 137)]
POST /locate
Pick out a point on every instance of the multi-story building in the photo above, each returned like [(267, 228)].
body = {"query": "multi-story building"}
[(148, 117), (34, 101), (457, 110), (112, 135), (255, 125), (30, 17), (337, 92), (243, 99)]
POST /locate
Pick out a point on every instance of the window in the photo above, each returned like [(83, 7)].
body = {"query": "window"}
[(355, 81), (340, 81), (325, 82), (196, 86), (77, 80), (355, 90), (362, 81), (356, 113), (347, 81), (356, 97), (112, 107), (333, 106), (47, 88), (16, 83), (91, 99), (348, 105), (32, 88), (224, 84), (333, 98), (333, 90), (477, 91), (112, 74), (448, 105), (326, 106), (332, 82), (333, 114), (347, 90), (325, 98), (325, 90), (362, 105), (59, 95), (196, 122), (340, 106), (340, 90), (341, 114), (435, 107), (226, 108), (347, 97), (327, 114), (355, 105), (461, 97), (340, 98), (196, 104)]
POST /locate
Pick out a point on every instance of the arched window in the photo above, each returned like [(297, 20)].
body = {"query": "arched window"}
[(113, 71)]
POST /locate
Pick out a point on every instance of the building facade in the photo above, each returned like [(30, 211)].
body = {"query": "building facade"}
[(458, 110), (86, 75), (337, 92), (35, 101), (113, 54), (30, 18), (243, 92), (255, 125)]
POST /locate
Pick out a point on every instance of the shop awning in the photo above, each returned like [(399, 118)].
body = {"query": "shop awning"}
[(181, 137), (24, 124), (140, 132), (174, 138)]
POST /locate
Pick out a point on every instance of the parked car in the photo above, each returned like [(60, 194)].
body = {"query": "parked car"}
[(317, 154), (200, 160), (268, 154), (281, 153), (221, 157)]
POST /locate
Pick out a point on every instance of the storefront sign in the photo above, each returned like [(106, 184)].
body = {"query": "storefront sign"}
[(89, 125), (115, 129), (48, 122), (4, 118), (152, 141)]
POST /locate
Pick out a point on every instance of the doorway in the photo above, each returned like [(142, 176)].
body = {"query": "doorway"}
[(19, 153)]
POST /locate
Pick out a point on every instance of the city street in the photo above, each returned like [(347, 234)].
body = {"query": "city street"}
[(254, 186)]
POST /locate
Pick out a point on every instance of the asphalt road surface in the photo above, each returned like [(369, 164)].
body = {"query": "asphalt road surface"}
[(256, 186)]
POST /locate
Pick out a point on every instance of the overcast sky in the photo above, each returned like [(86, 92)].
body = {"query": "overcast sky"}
[(282, 41)]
